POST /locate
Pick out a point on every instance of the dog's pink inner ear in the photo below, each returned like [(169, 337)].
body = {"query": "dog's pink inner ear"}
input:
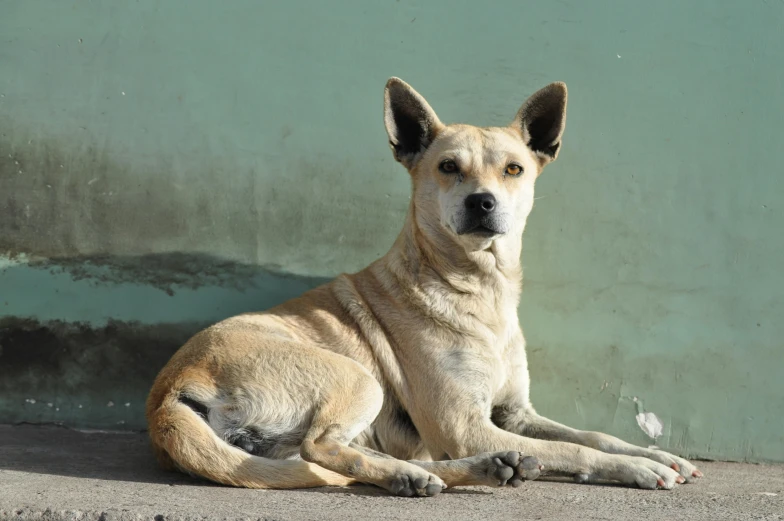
[(542, 120), (410, 121)]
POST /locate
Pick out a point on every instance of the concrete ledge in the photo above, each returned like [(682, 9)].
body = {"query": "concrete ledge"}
[(51, 474)]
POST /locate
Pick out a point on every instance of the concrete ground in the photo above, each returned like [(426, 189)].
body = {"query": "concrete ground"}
[(51, 473)]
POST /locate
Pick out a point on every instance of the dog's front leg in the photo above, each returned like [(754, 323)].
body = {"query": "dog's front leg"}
[(452, 408), (524, 420), (477, 434)]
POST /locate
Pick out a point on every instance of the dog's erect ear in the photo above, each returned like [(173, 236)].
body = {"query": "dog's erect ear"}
[(411, 123), (542, 120)]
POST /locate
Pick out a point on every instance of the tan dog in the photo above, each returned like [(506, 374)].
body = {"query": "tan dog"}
[(418, 357)]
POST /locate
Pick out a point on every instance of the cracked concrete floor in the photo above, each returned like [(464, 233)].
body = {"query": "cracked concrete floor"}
[(51, 473)]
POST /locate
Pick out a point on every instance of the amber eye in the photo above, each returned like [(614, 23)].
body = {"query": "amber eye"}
[(513, 169), (448, 166)]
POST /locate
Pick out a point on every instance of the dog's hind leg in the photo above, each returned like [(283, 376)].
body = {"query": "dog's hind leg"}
[(346, 411), (183, 440)]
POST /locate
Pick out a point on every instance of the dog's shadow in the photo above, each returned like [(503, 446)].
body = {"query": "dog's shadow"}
[(57, 451), (371, 491)]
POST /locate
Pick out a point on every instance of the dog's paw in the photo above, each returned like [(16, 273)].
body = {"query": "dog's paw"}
[(686, 469), (510, 468), (633, 471), (414, 482)]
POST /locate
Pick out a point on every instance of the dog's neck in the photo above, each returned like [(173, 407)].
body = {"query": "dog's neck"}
[(428, 254)]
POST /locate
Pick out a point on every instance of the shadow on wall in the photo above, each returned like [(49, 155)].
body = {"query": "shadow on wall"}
[(96, 372)]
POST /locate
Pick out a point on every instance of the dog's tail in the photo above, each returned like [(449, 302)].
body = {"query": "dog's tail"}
[(183, 440)]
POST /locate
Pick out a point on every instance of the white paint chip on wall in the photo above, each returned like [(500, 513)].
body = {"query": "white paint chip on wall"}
[(650, 424)]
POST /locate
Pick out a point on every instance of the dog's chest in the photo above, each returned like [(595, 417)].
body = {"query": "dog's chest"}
[(478, 349)]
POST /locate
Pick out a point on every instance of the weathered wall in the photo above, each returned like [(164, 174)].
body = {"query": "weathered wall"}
[(164, 165)]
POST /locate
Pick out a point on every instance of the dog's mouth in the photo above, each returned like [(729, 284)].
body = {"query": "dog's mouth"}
[(481, 229)]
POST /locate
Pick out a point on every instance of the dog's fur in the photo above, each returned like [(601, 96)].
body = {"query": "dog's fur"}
[(418, 357)]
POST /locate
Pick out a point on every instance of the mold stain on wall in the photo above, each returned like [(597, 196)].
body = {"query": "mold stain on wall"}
[(67, 199), (79, 374)]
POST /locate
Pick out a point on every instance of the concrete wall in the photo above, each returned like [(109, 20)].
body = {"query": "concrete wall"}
[(167, 164)]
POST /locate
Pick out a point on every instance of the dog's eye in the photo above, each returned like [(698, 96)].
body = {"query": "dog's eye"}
[(448, 166), (513, 169)]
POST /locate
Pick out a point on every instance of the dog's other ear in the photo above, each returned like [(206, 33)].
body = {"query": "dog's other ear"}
[(411, 123), (542, 120)]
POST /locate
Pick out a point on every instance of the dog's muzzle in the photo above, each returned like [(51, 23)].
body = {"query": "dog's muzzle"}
[(480, 216)]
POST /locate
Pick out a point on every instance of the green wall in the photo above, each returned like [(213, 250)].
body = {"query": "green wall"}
[(167, 164)]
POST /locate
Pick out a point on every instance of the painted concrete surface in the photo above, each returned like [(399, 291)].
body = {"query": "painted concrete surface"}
[(162, 167), (65, 475)]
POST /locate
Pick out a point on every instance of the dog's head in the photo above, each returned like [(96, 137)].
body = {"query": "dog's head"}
[(477, 184)]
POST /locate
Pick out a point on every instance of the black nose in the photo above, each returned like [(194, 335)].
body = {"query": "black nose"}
[(480, 204)]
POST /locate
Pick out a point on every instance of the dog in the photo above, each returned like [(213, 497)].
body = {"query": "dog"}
[(410, 374)]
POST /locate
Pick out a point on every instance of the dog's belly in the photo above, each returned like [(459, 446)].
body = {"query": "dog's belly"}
[(394, 433), (265, 424), (245, 426), (277, 431)]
